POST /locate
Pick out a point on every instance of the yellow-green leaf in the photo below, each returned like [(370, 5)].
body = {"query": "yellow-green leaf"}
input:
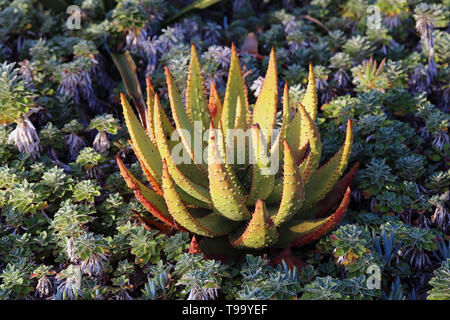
[(195, 95), (260, 232), (146, 150), (324, 178), (182, 178), (235, 87), (293, 189), (263, 179), (265, 108), (225, 192), (209, 226), (309, 101)]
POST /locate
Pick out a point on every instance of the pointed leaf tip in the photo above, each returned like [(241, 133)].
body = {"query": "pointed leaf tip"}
[(260, 232), (214, 103), (193, 248)]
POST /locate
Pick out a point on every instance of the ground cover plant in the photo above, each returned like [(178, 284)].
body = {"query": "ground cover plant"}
[(82, 89)]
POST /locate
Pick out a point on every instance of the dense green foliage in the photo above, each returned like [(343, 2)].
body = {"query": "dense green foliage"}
[(70, 228)]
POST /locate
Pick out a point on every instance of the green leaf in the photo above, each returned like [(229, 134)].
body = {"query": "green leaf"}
[(127, 70), (265, 108), (182, 178), (146, 151), (293, 190), (260, 232), (323, 179), (309, 101), (211, 225), (182, 121), (263, 180), (235, 87), (225, 192), (195, 95)]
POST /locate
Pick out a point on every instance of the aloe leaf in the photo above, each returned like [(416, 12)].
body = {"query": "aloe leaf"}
[(225, 192), (150, 113), (260, 232), (240, 122), (293, 189), (277, 192), (309, 101), (297, 137), (283, 130), (263, 180), (235, 87), (195, 95), (305, 167), (209, 225), (315, 144), (297, 133), (264, 111), (150, 178), (127, 70), (323, 179), (153, 202), (146, 151), (324, 206), (181, 178), (214, 105), (286, 113), (214, 222), (301, 232), (182, 122), (150, 105)]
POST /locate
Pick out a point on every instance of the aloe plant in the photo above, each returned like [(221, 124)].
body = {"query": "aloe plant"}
[(253, 208)]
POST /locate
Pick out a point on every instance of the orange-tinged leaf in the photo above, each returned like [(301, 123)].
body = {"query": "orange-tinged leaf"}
[(154, 203), (193, 247), (326, 225), (146, 151), (214, 105), (324, 206), (154, 183), (323, 179)]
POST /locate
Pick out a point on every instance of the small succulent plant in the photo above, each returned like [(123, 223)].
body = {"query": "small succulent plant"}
[(440, 283), (104, 124), (247, 202), (16, 105)]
